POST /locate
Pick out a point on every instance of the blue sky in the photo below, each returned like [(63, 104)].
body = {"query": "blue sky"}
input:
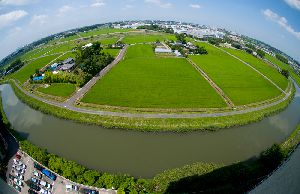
[(276, 22)]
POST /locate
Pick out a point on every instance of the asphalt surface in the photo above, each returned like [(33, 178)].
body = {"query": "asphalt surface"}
[(82, 91)]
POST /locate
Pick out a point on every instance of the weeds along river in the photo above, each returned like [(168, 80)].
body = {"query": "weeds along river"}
[(144, 154)]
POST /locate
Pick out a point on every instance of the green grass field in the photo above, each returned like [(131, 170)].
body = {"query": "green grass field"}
[(62, 48), (103, 31), (113, 52), (61, 89), (144, 38), (145, 81), (239, 82), (284, 66), (24, 73), (261, 66)]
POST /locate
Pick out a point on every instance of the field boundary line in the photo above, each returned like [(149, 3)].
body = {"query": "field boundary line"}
[(212, 84), (82, 91), (264, 76)]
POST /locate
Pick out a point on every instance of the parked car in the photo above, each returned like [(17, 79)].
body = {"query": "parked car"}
[(19, 176), (31, 191), (18, 188), (71, 188), (90, 191), (44, 191), (34, 186), (11, 176), (34, 180), (18, 182), (38, 175), (37, 166), (18, 156), (46, 184), (22, 171)]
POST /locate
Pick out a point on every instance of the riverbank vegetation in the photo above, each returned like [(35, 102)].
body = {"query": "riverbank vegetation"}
[(205, 177), (159, 124)]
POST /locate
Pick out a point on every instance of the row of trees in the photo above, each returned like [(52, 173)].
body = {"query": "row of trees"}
[(92, 59), (83, 175)]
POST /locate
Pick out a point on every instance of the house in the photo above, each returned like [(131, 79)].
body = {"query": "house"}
[(67, 67), (69, 60), (163, 50), (87, 45)]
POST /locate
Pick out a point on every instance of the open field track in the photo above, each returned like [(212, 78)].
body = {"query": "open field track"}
[(153, 82), (238, 81)]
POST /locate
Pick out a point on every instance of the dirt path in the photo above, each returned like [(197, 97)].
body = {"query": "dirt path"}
[(252, 68), (213, 84), (82, 91)]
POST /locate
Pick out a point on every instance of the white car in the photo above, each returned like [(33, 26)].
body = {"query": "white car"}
[(45, 184), (36, 174), (44, 191), (19, 176), (18, 182)]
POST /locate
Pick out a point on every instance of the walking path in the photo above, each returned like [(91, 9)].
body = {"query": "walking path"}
[(82, 91), (252, 68), (154, 115), (213, 84)]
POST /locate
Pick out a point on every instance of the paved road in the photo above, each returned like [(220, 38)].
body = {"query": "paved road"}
[(155, 115), (82, 91), (285, 180)]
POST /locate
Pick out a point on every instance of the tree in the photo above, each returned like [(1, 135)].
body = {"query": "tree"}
[(282, 58), (260, 53), (285, 73), (180, 38), (272, 157)]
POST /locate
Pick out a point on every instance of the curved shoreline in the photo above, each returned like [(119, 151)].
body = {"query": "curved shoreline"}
[(70, 107), (180, 124)]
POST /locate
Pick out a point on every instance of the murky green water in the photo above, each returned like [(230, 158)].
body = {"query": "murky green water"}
[(146, 154)]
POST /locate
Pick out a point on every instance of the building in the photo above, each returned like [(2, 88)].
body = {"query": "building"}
[(162, 50)]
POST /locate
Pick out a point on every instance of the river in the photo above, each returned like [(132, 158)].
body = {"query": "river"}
[(144, 154)]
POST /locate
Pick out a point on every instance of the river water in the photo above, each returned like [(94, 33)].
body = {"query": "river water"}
[(143, 154)]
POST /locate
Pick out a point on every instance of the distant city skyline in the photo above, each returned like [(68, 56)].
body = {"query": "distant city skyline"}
[(274, 22)]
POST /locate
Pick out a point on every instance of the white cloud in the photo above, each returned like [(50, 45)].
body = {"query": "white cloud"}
[(282, 21), (11, 17), (127, 7), (293, 3), (159, 3), (195, 6), (64, 9), (98, 3), (16, 2), (38, 20)]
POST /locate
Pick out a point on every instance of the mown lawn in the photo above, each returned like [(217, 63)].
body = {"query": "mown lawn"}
[(145, 81), (144, 38), (24, 73), (262, 67), (59, 89), (284, 66), (239, 82), (103, 31)]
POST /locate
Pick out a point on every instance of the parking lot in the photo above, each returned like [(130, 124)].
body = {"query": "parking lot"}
[(27, 176)]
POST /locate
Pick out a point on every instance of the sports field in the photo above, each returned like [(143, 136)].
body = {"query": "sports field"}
[(144, 38), (24, 73), (146, 81), (59, 89), (261, 66), (239, 82)]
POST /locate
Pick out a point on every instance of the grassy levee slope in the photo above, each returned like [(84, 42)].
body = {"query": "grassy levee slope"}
[(24, 73), (144, 38), (59, 89), (261, 66), (143, 80), (241, 83), (284, 66)]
